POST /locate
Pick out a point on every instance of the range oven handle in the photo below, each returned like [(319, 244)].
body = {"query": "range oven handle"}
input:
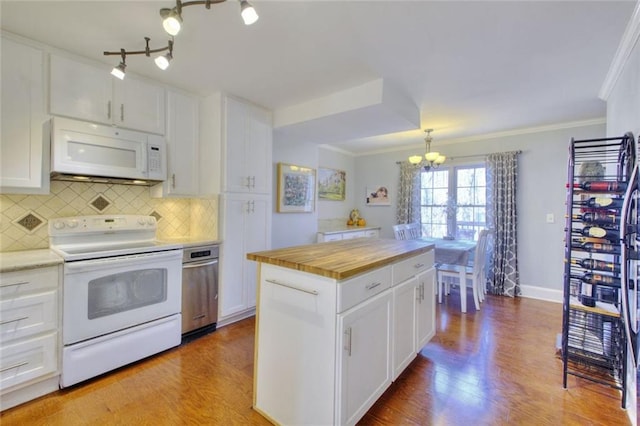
[(110, 262)]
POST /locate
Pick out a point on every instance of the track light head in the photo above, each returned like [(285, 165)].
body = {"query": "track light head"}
[(163, 61), (248, 13), (171, 21), (118, 71)]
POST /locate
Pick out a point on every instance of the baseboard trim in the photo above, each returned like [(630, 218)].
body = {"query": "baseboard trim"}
[(236, 317), (541, 293)]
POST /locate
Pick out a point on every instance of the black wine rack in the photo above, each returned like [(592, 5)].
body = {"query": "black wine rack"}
[(594, 343)]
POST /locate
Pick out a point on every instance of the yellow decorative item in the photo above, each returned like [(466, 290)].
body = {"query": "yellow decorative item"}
[(362, 222), (354, 216), (350, 222)]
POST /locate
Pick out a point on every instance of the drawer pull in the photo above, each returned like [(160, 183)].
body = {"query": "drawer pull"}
[(13, 320), (372, 285), (314, 292), (14, 284), (11, 367), (418, 265), (199, 316)]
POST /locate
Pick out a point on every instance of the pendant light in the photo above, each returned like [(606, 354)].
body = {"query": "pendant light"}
[(431, 159)]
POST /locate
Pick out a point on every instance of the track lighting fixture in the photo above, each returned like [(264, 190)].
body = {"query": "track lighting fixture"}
[(172, 18), (172, 22), (161, 61)]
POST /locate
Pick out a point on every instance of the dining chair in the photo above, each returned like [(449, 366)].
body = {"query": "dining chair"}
[(475, 274), (407, 231)]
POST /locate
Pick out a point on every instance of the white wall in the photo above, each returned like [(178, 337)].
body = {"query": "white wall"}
[(541, 190), (292, 229)]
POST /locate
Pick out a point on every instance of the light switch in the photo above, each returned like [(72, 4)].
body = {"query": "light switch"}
[(551, 218)]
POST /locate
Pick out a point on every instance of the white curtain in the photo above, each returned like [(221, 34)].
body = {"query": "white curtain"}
[(502, 174)]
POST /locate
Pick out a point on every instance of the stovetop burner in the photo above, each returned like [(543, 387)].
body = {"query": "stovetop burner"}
[(98, 236)]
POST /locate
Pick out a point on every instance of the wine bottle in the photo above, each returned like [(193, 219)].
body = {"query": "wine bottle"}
[(597, 217), (601, 203), (602, 186), (598, 279), (597, 265), (601, 248), (598, 232)]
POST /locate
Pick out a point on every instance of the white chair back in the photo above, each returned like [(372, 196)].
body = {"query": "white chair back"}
[(407, 231)]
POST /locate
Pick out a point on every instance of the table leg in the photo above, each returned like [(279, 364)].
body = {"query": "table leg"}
[(463, 289)]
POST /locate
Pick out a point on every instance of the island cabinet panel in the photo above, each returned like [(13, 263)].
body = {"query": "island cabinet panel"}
[(326, 349)]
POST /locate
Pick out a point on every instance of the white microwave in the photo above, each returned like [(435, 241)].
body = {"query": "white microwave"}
[(98, 153)]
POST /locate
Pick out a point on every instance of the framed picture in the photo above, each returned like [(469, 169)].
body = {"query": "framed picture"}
[(331, 184), (296, 189), (378, 196)]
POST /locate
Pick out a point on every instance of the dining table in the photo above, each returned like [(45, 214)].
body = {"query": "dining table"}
[(454, 252)]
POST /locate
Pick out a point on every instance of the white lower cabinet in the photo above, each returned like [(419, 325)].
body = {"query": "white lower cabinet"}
[(326, 349), (29, 338)]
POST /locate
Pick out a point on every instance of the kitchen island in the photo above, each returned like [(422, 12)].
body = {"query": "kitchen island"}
[(336, 323)]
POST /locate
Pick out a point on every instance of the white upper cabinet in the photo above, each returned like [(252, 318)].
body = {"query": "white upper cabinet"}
[(248, 148), (24, 151), (182, 147), (86, 92), (236, 138)]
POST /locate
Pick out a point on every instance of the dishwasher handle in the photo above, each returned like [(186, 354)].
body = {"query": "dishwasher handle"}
[(198, 264)]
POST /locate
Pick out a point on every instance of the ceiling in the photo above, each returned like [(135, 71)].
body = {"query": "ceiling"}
[(471, 68)]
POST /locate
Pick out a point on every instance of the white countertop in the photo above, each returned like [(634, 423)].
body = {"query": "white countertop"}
[(28, 259)]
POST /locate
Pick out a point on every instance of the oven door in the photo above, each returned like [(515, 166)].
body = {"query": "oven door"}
[(110, 294)]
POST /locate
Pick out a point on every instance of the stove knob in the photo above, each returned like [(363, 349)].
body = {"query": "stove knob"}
[(72, 223), (150, 221), (58, 225), (141, 221)]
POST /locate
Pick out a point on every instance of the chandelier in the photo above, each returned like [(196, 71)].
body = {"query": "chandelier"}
[(431, 159)]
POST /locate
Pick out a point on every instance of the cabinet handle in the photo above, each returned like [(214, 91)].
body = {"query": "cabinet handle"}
[(418, 265), (11, 367), (13, 320), (372, 285), (253, 206), (248, 185), (122, 112), (293, 287), (199, 316), (421, 292), (109, 110), (253, 181), (347, 347), (14, 284), (173, 180)]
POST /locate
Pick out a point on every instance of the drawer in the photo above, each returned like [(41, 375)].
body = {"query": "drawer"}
[(28, 315), (17, 283), (362, 287), (354, 234), (372, 233), (28, 359), (408, 268), (330, 237)]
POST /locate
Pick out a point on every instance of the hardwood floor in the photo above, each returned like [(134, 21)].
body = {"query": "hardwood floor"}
[(475, 371)]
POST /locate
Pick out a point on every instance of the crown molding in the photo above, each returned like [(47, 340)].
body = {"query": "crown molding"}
[(497, 135), (336, 149), (627, 43)]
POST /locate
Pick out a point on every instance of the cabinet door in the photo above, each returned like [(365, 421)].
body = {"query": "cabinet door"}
[(23, 151), (139, 105), (247, 151), (232, 260), (80, 90), (257, 238), (364, 366), (182, 146), (404, 324), (426, 308)]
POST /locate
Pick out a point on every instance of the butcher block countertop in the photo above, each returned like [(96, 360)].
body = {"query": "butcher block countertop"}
[(342, 259)]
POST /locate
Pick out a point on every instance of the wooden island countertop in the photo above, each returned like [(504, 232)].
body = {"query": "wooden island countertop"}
[(342, 259)]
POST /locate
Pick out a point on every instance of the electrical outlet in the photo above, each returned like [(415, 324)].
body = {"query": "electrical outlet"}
[(551, 218)]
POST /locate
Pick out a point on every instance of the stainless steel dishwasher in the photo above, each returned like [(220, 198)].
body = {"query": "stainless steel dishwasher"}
[(199, 291)]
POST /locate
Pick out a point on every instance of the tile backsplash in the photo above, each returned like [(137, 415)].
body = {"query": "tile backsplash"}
[(24, 218)]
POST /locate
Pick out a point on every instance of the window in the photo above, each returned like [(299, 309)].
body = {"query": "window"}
[(453, 202)]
